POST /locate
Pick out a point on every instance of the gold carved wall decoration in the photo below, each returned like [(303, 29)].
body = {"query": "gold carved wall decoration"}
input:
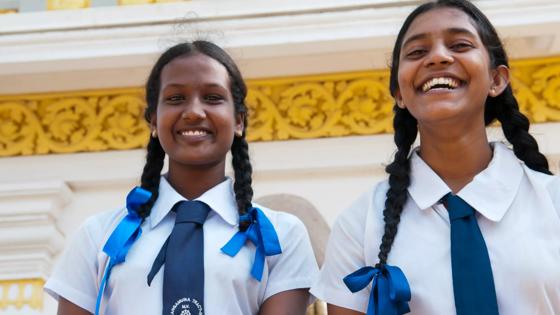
[(20, 293), (536, 85), (72, 122), (332, 105), (127, 2), (319, 106), (67, 4)]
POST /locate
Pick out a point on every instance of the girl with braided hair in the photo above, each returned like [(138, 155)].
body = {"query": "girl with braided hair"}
[(193, 240), (462, 225)]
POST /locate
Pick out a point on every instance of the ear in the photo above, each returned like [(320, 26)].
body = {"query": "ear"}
[(239, 124), (153, 123), (500, 80), (398, 99)]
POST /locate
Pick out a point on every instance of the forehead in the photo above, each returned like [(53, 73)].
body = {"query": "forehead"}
[(196, 68), (440, 20)]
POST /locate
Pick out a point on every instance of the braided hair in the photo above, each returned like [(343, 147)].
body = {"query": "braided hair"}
[(503, 107), (240, 150)]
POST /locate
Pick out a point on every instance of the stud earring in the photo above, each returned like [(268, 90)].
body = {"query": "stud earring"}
[(238, 133), (154, 133)]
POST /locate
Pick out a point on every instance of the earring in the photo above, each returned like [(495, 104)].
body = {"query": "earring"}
[(238, 133), (154, 133)]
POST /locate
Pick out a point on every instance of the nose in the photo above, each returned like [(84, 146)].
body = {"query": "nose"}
[(194, 111), (439, 55)]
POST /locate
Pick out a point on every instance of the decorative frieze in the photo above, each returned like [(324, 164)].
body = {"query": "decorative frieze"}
[(22, 292), (356, 103)]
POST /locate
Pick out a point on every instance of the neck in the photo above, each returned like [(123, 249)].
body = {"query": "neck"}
[(457, 157), (193, 181)]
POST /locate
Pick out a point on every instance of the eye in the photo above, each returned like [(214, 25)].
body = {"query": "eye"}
[(174, 99), (213, 98), (416, 53), (461, 46)]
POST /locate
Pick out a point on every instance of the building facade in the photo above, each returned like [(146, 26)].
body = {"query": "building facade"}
[(71, 106)]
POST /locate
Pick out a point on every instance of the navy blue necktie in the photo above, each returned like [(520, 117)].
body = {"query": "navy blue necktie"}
[(473, 283), (183, 255)]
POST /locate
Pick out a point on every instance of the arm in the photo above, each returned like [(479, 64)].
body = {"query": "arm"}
[(66, 307), (337, 310), (291, 302), (345, 254), (292, 272)]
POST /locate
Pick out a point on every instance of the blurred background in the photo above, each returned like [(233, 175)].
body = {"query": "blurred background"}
[(71, 106)]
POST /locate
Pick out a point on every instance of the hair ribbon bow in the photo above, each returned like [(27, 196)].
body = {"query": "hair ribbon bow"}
[(261, 233), (125, 234), (390, 292)]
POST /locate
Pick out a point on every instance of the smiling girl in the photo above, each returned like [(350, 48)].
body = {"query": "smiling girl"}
[(478, 223), (193, 240)]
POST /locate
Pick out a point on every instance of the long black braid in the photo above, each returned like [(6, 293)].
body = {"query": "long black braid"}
[(239, 150), (503, 107), (406, 129)]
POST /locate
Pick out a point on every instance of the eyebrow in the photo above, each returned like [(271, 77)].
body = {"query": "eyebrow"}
[(451, 30), (208, 85)]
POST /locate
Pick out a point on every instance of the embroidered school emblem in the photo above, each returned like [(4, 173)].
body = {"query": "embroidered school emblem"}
[(187, 306)]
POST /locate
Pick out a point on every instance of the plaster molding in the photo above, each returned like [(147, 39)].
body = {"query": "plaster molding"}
[(105, 38), (29, 237)]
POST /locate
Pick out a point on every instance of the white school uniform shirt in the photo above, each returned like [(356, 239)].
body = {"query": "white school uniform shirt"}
[(228, 285), (518, 214)]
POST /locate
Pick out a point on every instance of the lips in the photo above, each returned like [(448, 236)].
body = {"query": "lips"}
[(194, 133), (440, 82)]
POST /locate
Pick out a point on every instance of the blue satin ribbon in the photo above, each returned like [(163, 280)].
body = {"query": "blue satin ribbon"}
[(390, 291), (263, 235), (124, 235)]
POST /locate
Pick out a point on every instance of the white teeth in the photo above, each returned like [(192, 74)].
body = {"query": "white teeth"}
[(449, 82), (194, 133)]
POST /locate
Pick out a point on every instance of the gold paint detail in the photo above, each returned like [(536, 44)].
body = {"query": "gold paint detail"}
[(319, 106), (133, 2), (20, 293), (536, 84), (72, 122), (329, 105), (8, 11), (67, 4)]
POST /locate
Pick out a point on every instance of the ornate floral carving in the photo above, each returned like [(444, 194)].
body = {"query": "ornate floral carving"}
[(67, 4), (279, 109), (314, 107), (537, 88), (72, 123)]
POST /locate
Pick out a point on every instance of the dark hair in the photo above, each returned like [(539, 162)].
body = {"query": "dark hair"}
[(503, 107), (239, 149)]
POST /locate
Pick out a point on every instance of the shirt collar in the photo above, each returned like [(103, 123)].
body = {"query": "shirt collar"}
[(220, 198), (491, 191)]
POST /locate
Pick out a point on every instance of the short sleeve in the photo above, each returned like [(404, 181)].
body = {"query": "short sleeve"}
[(554, 191), (295, 267), (344, 255), (75, 275)]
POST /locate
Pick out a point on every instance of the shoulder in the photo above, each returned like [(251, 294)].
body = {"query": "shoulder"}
[(98, 227), (550, 182), (368, 204), (283, 222), (545, 183)]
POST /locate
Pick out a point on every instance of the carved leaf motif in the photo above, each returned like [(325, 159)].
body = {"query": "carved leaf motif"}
[(279, 109)]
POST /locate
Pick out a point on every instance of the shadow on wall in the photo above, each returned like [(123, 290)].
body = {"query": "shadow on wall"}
[(316, 226)]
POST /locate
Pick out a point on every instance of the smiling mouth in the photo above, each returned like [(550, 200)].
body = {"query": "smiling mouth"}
[(441, 83), (193, 132)]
